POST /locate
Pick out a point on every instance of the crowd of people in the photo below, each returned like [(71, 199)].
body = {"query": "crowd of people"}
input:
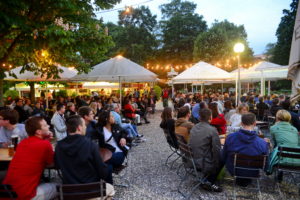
[(203, 119), (68, 135)]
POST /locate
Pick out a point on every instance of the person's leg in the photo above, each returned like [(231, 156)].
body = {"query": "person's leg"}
[(126, 127), (45, 191), (117, 159), (138, 118)]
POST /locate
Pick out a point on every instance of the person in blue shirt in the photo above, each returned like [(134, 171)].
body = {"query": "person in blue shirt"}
[(195, 110), (245, 141)]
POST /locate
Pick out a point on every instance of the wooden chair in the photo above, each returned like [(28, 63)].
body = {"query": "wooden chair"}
[(6, 192), (82, 191), (288, 153), (254, 165), (187, 157)]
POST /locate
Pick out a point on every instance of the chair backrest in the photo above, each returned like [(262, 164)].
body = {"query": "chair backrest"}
[(289, 152), (6, 192), (171, 140), (249, 164), (184, 148), (82, 191)]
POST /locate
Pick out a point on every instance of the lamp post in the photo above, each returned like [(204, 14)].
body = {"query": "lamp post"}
[(238, 48)]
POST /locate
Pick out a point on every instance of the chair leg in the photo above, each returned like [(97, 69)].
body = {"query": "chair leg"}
[(166, 163), (258, 185), (175, 161), (179, 186), (234, 188), (193, 189)]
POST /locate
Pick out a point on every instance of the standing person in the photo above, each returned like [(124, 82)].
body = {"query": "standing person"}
[(38, 110), (261, 107), (206, 146), (33, 155), (78, 157), (19, 108), (152, 102), (165, 97), (71, 110), (58, 122), (9, 126), (245, 141), (27, 107)]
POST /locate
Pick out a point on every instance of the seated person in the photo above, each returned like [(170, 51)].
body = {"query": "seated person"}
[(295, 121), (275, 106), (79, 158), (236, 119), (129, 112), (168, 125), (205, 144), (33, 155), (38, 110), (218, 119), (228, 110), (195, 112), (283, 134), (245, 141), (182, 124), (112, 137), (9, 126), (87, 114)]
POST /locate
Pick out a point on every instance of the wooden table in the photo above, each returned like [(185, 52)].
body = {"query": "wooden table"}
[(4, 155), (105, 154)]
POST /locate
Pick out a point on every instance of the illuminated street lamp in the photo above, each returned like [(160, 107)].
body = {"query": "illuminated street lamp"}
[(238, 48)]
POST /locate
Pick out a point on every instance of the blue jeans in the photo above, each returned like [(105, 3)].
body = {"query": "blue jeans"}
[(116, 159), (130, 129)]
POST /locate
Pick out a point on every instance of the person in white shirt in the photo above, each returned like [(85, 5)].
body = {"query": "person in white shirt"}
[(10, 127), (58, 122), (236, 119)]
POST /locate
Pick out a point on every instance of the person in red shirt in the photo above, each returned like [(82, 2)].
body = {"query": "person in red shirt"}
[(218, 119), (130, 112), (32, 156)]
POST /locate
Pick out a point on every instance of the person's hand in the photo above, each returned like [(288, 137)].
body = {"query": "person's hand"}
[(122, 142)]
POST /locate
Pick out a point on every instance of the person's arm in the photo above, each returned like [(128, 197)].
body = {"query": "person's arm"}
[(49, 154), (216, 147), (58, 124)]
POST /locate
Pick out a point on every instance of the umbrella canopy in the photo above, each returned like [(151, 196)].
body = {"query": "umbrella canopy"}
[(117, 69), (201, 72), (30, 76), (261, 66), (294, 62)]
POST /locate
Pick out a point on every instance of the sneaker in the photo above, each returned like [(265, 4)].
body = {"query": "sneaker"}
[(211, 187), (140, 135), (147, 122), (139, 124)]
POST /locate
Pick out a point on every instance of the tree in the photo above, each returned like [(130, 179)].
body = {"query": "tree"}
[(49, 33), (134, 36), (179, 28), (269, 52), (216, 45), (284, 35)]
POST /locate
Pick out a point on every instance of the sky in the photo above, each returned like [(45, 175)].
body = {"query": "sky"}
[(259, 17)]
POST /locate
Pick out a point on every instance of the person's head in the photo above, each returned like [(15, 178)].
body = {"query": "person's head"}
[(86, 113), (228, 105), (202, 105), (19, 102), (261, 99), (286, 104), (184, 112), (116, 107), (76, 124), (248, 120), (60, 108), (71, 106), (38, 105), (214, 109), (205, 115), (283, 116), (275, 101), (8, 117), (37, 126), (28, 102), (243, 108), (106, 118), (188, 100), (166, 114)]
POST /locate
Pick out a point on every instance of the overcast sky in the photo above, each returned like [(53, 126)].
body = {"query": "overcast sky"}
[(260, 17)]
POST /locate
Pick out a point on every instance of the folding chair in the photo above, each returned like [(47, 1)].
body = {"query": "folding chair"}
[(6, 192), (288, 153), (254, 165), (173, 145), (82, 191), (187, 156)]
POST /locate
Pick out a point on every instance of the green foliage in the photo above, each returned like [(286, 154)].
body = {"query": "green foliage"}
[(157, 91), (12, 93), (62, 93), (270, 50), (216, 45), (134, 37), (284, 33), (179, 28)]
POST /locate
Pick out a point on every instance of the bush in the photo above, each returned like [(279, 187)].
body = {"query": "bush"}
[(157, 91), (61, 93), (12, 93)]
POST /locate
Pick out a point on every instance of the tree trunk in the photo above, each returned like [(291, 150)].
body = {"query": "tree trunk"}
[(32, 92), (1, 93)]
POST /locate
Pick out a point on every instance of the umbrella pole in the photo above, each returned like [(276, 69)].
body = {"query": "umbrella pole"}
[(47, 102), (222, 88), (269, 88), (261, 84), (120, 90)]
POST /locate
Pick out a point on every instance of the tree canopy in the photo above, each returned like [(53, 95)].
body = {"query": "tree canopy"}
[(216, 45)]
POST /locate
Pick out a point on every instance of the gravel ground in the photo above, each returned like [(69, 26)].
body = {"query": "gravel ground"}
[(150, 179)]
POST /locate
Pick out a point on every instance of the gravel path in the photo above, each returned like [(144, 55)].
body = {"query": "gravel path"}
[(150, 179)]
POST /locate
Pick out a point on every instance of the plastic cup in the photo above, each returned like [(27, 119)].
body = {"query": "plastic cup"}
[(11, 150)]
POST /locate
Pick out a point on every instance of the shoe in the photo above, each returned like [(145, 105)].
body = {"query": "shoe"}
[(211, 187), (139, 124), (140, 135), (147, 122)]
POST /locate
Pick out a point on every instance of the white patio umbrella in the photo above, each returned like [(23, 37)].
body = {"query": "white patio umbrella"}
[(294, 62), (117, 69)]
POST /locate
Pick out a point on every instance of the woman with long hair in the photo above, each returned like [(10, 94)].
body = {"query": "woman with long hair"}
[(218, 119), (168, 125)]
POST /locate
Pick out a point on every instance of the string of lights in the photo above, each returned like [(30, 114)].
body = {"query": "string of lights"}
[(122, 8)]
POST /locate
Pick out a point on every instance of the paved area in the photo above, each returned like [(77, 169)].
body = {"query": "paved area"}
[(150, 179)]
